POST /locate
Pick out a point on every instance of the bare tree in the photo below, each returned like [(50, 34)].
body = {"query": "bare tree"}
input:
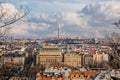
[(7, 20), (117, 24), (115, 38)]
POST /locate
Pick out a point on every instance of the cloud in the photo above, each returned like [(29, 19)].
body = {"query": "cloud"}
[(90, 21), (8, 10), (101, 14)]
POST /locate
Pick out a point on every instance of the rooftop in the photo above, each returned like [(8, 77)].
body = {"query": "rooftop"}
[(86, 73), (50, 47)]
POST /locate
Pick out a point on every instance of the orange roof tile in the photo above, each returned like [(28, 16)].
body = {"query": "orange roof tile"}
[(87, 73), (77, 51), (75, 73), (92, 51), (90, 73)]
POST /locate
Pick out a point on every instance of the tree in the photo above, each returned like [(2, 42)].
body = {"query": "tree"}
[(7, 70), (117, 24), (115, 38), (7, 19)]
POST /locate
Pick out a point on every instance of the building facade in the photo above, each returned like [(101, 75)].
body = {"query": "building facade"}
[(49, 55), (72, 59), (14, 58), (87, 60), (100, 58)]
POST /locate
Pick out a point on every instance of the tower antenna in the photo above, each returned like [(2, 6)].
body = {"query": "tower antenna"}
[(59, 30)]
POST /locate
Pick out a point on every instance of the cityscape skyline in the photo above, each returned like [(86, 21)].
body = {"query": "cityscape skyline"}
[(59, 40), (83, 19)]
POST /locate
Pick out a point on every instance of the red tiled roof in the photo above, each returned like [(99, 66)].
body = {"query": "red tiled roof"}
[(77, 51), (75, 73), (92, 51), (87, 73), (90, 73)]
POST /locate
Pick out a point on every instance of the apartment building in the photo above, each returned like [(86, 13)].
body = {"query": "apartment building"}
[(72, 59)]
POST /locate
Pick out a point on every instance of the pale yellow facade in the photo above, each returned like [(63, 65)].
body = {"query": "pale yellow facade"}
[(100, 57), (49, 55), (72, 59)]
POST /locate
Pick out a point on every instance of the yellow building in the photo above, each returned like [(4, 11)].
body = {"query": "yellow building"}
[(49, 55), (72, 59)]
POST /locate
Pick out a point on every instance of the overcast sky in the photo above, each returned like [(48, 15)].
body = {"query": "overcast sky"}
[(80, 18)]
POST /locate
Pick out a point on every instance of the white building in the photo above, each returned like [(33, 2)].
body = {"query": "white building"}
[(100, 57)]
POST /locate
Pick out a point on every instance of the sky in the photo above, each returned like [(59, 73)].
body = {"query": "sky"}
[(79, 18)]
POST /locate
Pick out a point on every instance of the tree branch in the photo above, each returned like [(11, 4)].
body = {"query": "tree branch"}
[(14, 20)]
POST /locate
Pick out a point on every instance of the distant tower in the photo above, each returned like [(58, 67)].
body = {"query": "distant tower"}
[(59, 30)]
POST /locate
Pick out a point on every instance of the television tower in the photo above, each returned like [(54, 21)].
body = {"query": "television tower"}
[(59, 30)]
